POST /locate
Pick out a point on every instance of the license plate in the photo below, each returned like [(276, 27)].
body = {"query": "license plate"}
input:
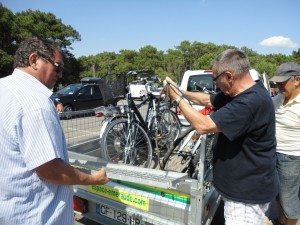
[(117, 215)]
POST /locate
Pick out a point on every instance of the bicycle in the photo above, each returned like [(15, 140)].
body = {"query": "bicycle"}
[(184, 155), (129, 138)]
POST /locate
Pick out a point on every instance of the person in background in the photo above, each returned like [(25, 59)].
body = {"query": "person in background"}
[(36, 178), (287, 114), (59, 106), (244, 170)]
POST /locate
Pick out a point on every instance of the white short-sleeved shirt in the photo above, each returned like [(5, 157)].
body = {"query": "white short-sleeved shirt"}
[(287, 125), (30, 136)]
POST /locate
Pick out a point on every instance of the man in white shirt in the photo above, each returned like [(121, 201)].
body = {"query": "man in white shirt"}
[(36, 178), (287, 113)]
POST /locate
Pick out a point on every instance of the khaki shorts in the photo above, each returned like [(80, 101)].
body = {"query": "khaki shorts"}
[(245, 214)]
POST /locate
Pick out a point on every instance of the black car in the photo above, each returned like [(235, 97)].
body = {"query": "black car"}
[(82, 96)]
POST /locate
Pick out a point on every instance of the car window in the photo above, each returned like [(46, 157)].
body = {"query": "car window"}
[(96, 91), (69, 90), (204, 80), (87, 91)]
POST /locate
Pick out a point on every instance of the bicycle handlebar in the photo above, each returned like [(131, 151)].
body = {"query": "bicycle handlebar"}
[(135, 72), (204, 89)]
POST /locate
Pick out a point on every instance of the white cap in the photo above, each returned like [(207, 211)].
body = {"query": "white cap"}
[(255, 75)]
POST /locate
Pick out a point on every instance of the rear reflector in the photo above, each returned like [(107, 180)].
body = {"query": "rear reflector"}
[(80, 204), (178, 111), (99, 114)]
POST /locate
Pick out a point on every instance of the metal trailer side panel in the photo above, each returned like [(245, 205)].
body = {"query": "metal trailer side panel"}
[(160, 211), (167, 204), (199, 208), (82, 135)]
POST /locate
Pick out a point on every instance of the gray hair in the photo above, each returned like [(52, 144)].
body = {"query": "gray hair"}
[(233, 60), (42, 48)]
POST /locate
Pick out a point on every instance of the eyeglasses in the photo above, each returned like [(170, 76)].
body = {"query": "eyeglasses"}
[(216, 78), (57, 67)]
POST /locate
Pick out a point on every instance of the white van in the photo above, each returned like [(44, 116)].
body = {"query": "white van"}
[(189, 80), (138, 91)]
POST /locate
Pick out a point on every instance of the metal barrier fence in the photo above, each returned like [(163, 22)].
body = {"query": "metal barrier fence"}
[(83, 126), (80, 126)]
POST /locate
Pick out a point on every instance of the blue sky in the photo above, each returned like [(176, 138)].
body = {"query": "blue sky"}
[(267, 27)]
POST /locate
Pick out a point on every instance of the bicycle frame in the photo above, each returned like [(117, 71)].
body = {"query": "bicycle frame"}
[(110, 113), (132, 111), (193, 135), (151, 111), (129, 137)]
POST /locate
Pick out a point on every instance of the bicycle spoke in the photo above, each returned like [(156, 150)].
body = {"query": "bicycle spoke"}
[(128, 144)]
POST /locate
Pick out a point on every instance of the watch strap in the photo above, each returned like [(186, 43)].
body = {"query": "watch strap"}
[(179, 99)]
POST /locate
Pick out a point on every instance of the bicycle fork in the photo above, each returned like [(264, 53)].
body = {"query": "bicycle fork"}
[(129, 150), (196, 139)]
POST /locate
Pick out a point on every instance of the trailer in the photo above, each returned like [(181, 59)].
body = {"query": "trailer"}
[(135, 196)]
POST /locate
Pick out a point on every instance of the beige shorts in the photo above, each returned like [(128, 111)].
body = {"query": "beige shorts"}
[(245, 214)]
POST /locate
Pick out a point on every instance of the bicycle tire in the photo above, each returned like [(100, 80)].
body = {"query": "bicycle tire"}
[(165, 128), (194, 163), (127, 143), (174, 146), (209, 145)]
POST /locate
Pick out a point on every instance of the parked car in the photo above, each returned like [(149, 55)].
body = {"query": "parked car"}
[(82, 96)]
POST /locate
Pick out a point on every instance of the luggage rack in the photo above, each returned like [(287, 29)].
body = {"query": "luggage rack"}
[(151, 177), (138, 175)]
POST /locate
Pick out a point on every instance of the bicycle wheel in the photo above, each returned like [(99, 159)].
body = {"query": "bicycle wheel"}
[(209, 145), (178, 157), (165, 128), (127, 143)]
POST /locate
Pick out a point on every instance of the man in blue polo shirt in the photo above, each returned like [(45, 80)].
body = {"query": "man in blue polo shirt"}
[(36, 178)]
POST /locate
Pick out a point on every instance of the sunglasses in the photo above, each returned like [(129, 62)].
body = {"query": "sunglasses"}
[(216, 78), (57, 67)]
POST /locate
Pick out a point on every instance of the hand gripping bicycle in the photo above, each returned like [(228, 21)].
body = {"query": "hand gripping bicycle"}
[(184, 155)]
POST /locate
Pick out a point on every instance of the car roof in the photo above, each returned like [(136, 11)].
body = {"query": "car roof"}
[(90, 80), (187, 74)]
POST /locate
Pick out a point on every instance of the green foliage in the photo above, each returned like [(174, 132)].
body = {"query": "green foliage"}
[(172, 62), (204, 62), (71, 70), (7, 30), (125, 61), (5, 63), (296, 56), (7, 41), (45, 25), (149, 58), (35, 23)]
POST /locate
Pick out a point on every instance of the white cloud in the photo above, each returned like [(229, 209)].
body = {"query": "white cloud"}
[(278, 41)]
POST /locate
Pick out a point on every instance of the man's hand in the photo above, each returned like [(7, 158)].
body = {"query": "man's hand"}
[(171, 88), (59, 172), (100, 177), (59, 107), (168, 80)]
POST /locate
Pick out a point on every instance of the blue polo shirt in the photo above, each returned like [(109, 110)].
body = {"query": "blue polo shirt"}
[(30, 136)]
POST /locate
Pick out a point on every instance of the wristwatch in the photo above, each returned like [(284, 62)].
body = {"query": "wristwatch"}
[(178, 99)]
